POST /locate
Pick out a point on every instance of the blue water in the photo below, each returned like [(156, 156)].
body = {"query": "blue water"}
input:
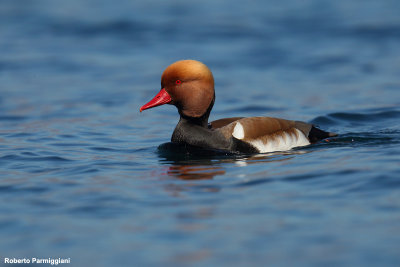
[(81, 174)]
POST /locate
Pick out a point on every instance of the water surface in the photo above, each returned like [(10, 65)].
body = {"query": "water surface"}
[(81, 172)]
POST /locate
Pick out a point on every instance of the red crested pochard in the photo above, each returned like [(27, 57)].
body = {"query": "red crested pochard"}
[(189, 85)]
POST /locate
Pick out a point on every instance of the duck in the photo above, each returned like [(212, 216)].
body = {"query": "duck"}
[(189, 86)]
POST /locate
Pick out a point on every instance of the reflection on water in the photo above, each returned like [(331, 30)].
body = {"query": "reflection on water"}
[(195, 172), (192, 163)]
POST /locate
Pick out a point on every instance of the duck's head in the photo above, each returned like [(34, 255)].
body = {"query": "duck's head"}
[(189, 85)]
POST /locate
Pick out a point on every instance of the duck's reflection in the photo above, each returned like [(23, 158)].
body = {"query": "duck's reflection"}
[(191, 163), (193, 172)]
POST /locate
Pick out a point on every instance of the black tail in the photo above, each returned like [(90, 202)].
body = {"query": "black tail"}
[(316, 134)]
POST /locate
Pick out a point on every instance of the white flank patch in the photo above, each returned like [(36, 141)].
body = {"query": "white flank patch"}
[(241, 163), (283, 142), (238, 131)]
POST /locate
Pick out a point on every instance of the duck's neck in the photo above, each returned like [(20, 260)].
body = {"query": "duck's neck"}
[(200, 121), (188, 127)]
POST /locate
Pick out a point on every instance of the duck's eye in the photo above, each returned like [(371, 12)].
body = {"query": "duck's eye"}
[(178, 81)]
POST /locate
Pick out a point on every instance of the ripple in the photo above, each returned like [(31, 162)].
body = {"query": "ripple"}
[(19, 135), (122, 28), (381, 182), (33, 157), (13, 118), (6, 188), (376, 32), (61, 144), (254, 182), (253, 109), (360, 139), (104, 149), (11, 189), (366, 117), (343, 117), (92, 133)]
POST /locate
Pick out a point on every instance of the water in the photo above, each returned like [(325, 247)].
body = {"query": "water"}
[(81, 173)]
